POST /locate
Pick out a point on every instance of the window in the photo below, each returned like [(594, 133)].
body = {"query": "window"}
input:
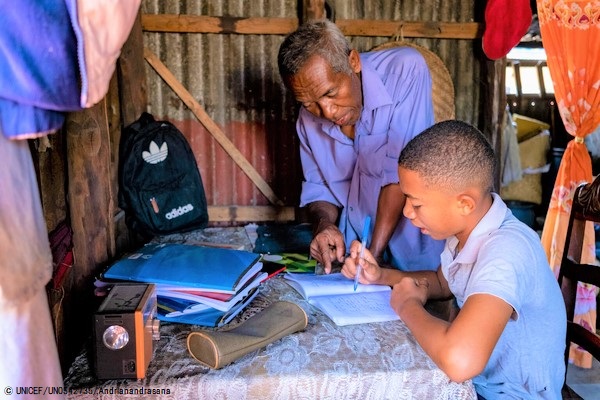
[(530, 90), (527, 74), (548, 85), (530, 81), (511, 80)]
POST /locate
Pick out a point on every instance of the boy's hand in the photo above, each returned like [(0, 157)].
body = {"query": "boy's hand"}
[(370, 270), (408, 290), (328, 246)]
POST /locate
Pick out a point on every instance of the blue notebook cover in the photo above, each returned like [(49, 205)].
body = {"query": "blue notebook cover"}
[(211, 268)]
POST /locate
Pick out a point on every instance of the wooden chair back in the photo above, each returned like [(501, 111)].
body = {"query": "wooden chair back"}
[(585, 208)]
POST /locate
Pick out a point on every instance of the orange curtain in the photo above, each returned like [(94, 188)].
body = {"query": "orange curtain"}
[(570, 33)]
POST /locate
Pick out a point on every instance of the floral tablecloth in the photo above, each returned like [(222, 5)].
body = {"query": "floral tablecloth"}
[(368, 361)]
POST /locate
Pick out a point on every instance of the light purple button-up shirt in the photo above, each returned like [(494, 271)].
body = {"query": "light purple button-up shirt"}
[(397, 106)]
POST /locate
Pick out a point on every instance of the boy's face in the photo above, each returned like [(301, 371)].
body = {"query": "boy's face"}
[(435, 212)]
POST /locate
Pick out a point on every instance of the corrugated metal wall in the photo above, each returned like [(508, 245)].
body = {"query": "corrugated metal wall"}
[(235, 78)]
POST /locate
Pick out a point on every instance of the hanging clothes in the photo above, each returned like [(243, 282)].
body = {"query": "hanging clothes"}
[(56, 57)]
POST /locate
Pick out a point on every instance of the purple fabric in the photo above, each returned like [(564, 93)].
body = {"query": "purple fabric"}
[(397, 106), (39, 73)]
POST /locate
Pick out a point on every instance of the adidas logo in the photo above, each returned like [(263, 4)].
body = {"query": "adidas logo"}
[(156, 154), (178, 212)]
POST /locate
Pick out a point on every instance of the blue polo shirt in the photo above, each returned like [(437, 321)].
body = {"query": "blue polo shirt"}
[(503, 257)]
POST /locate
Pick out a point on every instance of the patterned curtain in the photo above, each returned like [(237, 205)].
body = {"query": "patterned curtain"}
[(570, 31)]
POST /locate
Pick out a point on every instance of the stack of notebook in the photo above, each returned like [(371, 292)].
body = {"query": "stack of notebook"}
[(194, 284)]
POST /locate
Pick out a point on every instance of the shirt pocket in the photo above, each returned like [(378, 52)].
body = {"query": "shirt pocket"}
[(372, 154)]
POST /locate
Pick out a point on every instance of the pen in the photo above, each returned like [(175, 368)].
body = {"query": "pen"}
[(363, 244)]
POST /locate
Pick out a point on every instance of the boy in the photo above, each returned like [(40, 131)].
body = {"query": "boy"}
[(509, 335)]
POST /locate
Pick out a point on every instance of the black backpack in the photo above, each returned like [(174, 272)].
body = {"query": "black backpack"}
[(160, 187)]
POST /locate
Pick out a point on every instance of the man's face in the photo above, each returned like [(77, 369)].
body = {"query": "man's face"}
[(336, 97)]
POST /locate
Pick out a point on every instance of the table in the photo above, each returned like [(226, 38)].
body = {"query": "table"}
[(368, 361)]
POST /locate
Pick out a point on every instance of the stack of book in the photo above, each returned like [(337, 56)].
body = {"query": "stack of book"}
[(194, 284)]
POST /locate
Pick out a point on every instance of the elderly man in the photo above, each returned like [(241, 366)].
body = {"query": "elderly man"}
[(358, 111)]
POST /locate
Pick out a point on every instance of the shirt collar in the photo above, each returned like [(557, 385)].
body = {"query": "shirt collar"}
[(373, 90)]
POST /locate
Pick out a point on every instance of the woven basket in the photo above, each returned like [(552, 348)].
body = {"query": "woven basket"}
[(533, 155), (442, 89)]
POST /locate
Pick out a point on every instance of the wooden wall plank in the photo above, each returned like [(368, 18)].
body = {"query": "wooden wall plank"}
[(203, 24), (426, 29), (49, 161), (281, 26), (251, 213)]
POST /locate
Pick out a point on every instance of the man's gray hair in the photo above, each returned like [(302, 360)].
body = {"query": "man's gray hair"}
[(317, 37)]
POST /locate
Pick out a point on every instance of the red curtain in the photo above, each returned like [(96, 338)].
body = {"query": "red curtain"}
[(570, 33)]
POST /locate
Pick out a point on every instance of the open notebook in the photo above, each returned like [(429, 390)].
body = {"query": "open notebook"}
[(334, 295)]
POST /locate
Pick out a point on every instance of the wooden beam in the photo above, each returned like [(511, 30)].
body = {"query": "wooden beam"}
[(282, 26), (250, 213), (427, 29), (202, 24), (211, 126)]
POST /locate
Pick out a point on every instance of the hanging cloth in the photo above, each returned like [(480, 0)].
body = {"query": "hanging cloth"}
[(570, 31)]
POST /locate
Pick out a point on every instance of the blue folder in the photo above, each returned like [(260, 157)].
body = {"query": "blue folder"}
[(188, 266)]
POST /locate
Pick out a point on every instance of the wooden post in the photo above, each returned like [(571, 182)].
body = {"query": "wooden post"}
[(90, 195), (493, 94), (133, 100), (313, 9), (131, 71), (91, 210)]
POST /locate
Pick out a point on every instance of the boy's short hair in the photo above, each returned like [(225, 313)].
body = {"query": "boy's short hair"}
[(451, 155)]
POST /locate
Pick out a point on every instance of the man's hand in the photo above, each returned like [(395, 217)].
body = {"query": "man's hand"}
[(327, 246)]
